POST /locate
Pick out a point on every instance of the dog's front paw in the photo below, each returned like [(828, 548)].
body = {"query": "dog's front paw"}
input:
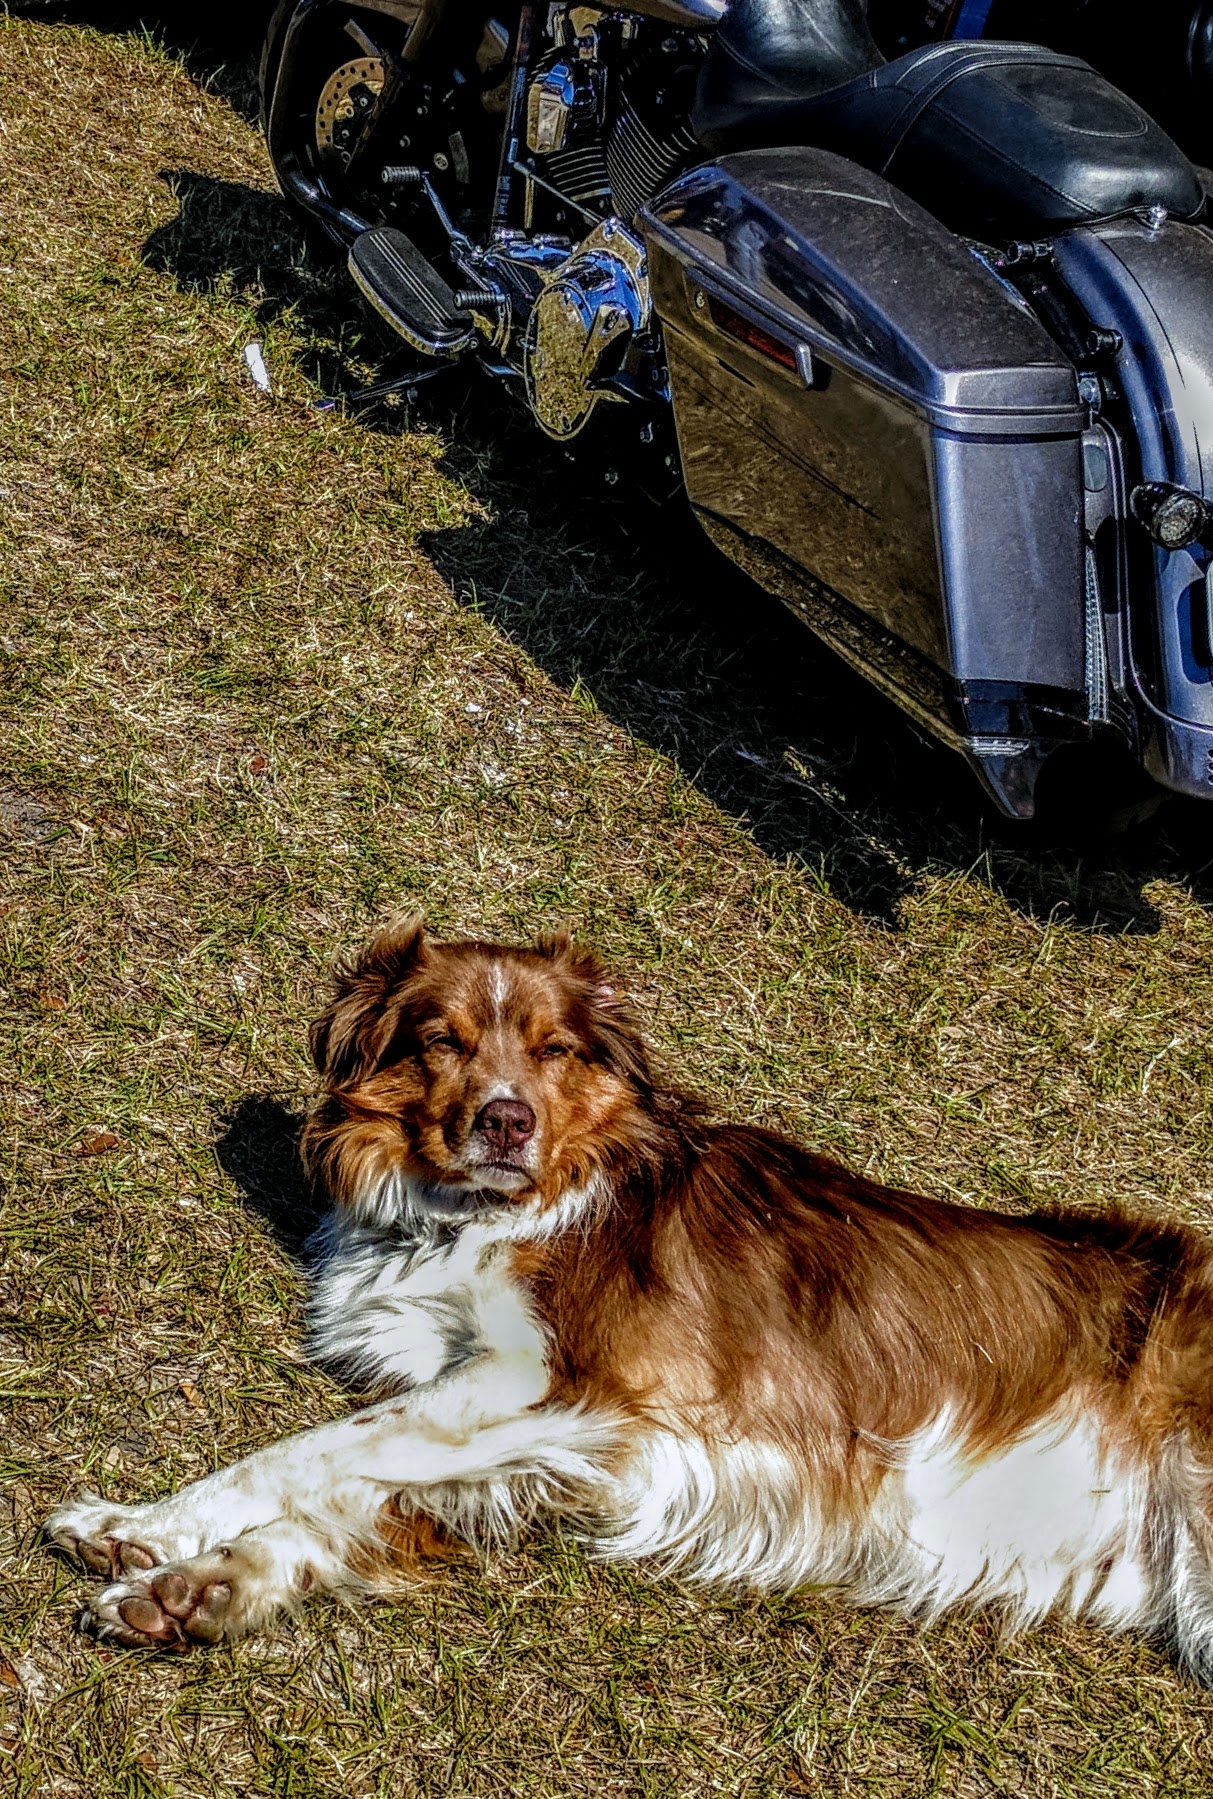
[(180, 1604), (108, 1539)]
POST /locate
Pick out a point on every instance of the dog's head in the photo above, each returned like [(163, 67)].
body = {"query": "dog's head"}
[(479, 1073)]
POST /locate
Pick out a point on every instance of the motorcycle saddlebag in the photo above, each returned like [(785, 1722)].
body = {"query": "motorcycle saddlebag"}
[(874, 425)]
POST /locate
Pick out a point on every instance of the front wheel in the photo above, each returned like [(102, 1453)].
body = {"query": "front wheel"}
[(337, 75), (271, 56)]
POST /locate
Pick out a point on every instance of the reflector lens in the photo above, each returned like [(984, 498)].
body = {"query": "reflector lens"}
[(1178, 521), (747, 332)]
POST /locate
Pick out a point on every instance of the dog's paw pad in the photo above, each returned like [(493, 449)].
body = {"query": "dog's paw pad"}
[(96, 1553), (135, 1559), (113, 1556), (103, 1538), (176, 1605), (144, 1617)]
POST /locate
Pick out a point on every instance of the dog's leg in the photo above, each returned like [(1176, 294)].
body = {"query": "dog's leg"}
[(330, 1486), (220, 1594), (115, 1539), (226, 1592), (112, 1539), (479, 1426)]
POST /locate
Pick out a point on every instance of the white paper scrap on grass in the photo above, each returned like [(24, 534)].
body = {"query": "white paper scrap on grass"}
[(254, 362)]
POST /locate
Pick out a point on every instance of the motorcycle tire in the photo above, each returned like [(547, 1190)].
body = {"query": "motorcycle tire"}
[(321, 248), (271, 56), (269, 63)]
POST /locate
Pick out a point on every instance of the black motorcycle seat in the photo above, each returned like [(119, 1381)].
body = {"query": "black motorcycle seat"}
[(1002, 140), (769, 53)]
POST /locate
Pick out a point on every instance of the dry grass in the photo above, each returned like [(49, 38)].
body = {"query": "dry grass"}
[(270, 673)]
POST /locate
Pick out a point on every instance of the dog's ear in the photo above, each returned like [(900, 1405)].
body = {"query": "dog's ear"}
[(555, 946), (611, 1022), (583, 965), (348, 1039)]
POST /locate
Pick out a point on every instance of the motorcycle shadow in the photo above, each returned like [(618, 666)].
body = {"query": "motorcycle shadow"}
[(628, 602), (244, 240), (631, 603)]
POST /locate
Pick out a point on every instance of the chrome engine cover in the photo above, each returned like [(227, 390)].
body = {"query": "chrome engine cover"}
[(582, 326), (550, 103)]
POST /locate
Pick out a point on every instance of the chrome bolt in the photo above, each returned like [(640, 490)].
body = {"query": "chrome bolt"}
[(442, 162)]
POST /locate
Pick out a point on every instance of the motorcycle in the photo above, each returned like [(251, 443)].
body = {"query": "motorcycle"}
[(928, 342)]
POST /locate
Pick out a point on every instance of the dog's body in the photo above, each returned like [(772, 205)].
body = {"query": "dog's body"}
[(712, 1347)]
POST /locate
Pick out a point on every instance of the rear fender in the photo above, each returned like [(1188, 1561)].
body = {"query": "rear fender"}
[(1155, 288)]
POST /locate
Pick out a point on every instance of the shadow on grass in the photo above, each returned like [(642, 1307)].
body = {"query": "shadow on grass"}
[(239, 238), (676, 645), (632, 605), (258, 1147), (217, 42)]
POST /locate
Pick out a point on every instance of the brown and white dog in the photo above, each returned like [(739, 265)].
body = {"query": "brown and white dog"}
[(717, 1350)]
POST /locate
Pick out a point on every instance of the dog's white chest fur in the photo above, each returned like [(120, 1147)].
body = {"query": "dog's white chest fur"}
[(405, 1309)]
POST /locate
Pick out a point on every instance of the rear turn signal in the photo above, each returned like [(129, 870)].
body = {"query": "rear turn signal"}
[(1174, 516)]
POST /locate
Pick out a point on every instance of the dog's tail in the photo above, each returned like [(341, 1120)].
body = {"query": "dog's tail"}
[(1181, 1553)]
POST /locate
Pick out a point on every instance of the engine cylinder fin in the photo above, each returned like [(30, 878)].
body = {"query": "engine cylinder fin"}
[(581, 173), (639, 163)]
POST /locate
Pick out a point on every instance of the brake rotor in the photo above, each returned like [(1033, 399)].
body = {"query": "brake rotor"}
[(348, 94)]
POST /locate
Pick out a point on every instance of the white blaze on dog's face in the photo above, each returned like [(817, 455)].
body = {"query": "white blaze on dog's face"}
[(492, 1070), (501, 1058)]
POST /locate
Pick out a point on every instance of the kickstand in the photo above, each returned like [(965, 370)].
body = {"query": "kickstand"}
[(366, 396)]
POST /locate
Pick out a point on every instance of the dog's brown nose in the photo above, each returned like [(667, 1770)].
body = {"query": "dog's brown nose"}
[(507, 1123)]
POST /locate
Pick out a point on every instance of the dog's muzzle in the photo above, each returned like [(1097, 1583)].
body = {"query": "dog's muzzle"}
[(505, 1127)]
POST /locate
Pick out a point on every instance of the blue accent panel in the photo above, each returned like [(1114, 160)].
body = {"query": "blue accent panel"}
[(971, 20)]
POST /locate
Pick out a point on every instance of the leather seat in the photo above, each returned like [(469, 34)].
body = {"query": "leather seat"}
[(766, 54), (998, 140)]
